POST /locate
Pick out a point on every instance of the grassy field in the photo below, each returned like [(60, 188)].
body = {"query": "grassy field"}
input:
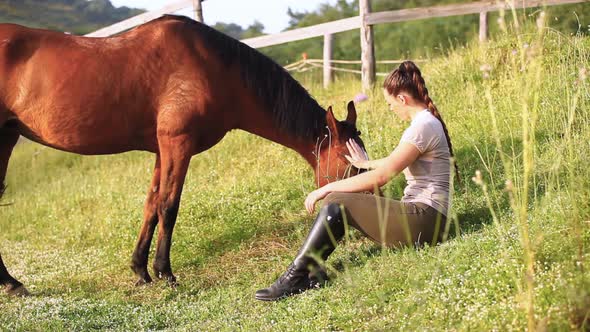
[(517, 257)]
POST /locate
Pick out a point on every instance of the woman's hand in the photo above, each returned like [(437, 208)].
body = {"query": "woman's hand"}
[(313, 197), (358, 157)]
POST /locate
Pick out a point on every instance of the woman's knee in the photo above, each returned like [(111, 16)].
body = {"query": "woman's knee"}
[(333, 209), (334, 198), (338, 209)]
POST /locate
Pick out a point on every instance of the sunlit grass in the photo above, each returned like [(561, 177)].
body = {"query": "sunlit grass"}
[(517, 110)]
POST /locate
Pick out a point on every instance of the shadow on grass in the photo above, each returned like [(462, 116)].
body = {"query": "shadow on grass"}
[(241, 235), (243, 231)]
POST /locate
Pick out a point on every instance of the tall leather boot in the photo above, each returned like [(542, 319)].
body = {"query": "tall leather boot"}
[(305, 272)]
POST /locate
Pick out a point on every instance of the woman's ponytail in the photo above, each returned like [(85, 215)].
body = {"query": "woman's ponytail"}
[(407, 77)]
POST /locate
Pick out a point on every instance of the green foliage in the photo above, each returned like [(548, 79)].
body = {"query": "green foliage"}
[(415, 39), (236, 31), (75, 16), (231, 29)]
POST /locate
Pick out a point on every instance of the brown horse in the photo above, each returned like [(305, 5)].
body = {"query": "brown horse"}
[(173, 87)]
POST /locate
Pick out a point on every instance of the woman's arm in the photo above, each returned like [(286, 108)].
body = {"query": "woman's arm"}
[(403, 155), (367, 164)]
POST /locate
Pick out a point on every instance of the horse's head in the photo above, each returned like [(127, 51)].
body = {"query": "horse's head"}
[(331, 149)]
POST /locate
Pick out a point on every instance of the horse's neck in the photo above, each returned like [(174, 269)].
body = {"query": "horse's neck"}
[(261, 123)]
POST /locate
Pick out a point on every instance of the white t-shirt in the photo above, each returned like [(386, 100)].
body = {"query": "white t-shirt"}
[(428, 176)]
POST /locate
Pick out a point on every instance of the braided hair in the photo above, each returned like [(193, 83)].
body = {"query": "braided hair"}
[(408, 78)]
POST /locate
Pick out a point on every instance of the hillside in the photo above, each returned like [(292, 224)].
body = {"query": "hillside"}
[(517, 255), (75, 16)]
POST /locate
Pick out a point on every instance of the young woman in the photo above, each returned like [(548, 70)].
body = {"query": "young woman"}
[(423, 154)]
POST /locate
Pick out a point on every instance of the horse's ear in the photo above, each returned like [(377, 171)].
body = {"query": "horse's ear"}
[(351, 117), (332, 123)]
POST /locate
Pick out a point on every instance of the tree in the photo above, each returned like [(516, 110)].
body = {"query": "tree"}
[(230, 29), (254, 30), (236, 31)]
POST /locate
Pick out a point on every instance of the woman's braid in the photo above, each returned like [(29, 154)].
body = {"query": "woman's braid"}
[(408, 78)]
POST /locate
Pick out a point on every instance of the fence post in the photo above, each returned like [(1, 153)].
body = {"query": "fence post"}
[(483, 26), (367, 48), (198, 10), (328, 38)]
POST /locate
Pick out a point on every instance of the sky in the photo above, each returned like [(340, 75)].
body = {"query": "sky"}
[(271, 13)]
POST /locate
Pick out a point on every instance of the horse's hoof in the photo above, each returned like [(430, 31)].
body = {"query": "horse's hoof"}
[(17, 291), (172, 282), (143, 281), (143, 277), (169, 278)]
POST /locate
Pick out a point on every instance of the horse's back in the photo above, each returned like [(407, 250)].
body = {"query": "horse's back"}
[(107, 95), (73, 93)]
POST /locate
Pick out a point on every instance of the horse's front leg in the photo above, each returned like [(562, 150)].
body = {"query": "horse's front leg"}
[(140, 256), (175, 152)]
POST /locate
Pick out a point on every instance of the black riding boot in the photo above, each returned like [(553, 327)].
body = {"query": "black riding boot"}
[(305, 272)]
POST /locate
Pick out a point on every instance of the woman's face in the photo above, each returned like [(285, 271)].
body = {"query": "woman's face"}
[(397, 104)]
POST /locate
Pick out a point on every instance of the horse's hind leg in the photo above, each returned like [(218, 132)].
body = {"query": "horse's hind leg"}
[(8, 138), (13, 286), (140, 255), (176, 153)]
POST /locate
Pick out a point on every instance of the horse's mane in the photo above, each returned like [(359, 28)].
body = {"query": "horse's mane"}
[(292, 107)]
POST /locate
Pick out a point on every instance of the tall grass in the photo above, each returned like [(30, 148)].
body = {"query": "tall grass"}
[(528, 68), (517, 111)]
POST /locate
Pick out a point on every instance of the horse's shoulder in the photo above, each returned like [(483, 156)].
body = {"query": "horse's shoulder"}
[(175, 19), (15, 38), (172, 25), (10, 29), (17, 33), (167, 29)]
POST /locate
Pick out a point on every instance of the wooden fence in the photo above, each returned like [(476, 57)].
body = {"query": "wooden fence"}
[(364, 22)]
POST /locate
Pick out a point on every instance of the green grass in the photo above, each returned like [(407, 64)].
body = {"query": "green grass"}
[(70, 232)]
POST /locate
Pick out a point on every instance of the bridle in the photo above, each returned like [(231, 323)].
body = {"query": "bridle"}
[(349, 167)]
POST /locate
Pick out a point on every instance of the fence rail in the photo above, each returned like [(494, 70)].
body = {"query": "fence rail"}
[(305, 65), (412, 14), (363, 22), (395, 16), (318, 30)]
